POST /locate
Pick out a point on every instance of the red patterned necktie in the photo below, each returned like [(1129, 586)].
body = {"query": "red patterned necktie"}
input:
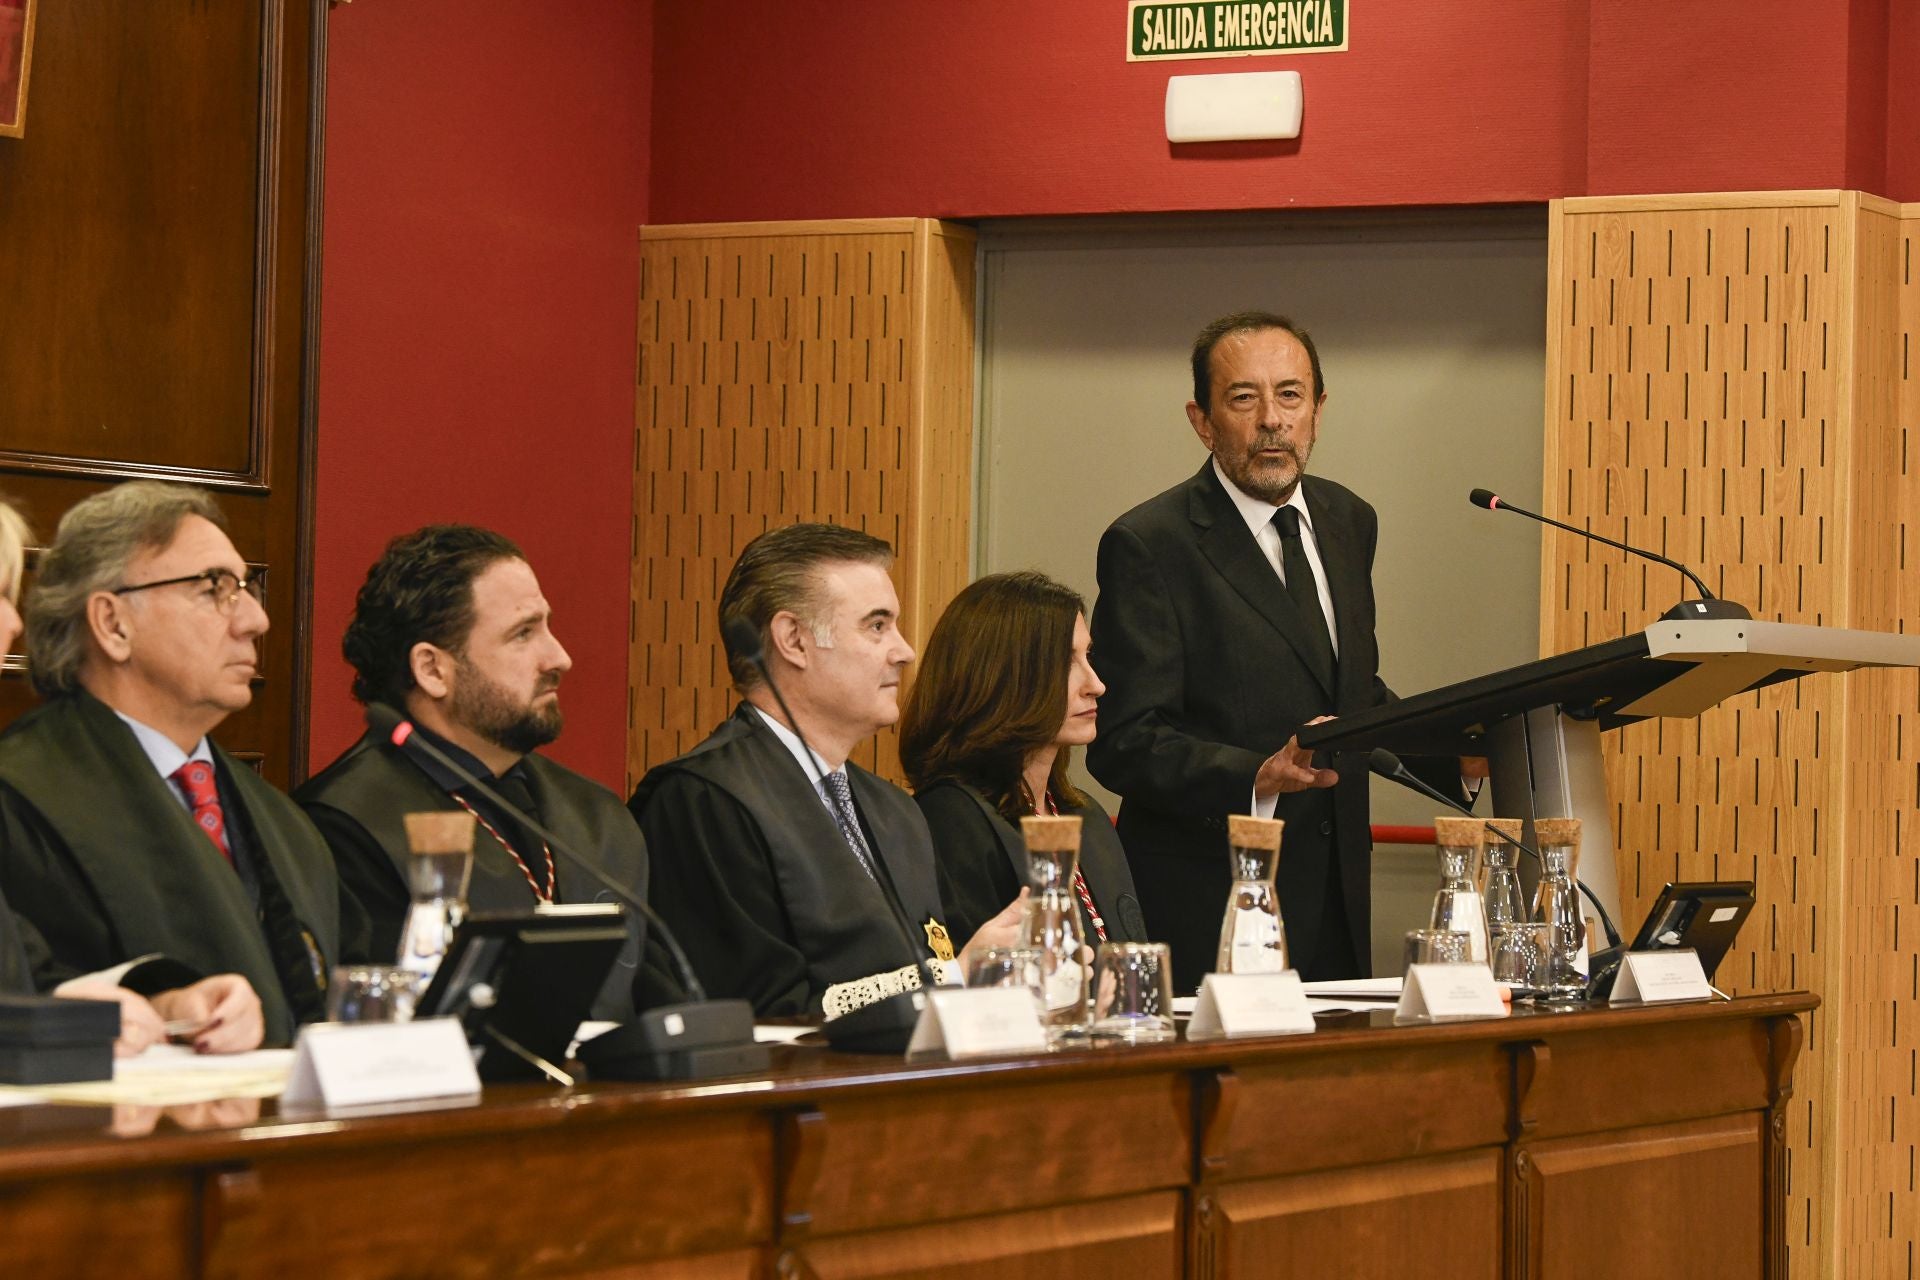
[(196, 779)]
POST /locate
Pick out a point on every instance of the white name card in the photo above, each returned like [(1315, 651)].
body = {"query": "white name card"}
[(975, 1022), (365, 1063), (1449, 992), (1250, 1004), (1654, 977)]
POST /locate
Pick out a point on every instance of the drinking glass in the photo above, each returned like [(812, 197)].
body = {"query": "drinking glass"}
[(1519, 955), (1438, 946), (1133, 1001), (372, 993), (1013, 967)]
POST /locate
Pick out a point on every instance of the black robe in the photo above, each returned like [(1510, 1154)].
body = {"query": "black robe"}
[(103, 864), (760, 886), (983, 862), (359, 802), (16, 979)]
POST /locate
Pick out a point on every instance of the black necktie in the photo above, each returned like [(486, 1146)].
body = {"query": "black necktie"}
[(512, 786), (1300, 585)]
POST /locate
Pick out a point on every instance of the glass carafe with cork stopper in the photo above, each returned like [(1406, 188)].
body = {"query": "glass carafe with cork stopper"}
[(1253, 937), (1053, 919), (1505, 901), (439, 864), (1556, 904), (1457, 906)]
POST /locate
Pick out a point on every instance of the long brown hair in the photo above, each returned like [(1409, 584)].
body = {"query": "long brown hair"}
[(992, 690)]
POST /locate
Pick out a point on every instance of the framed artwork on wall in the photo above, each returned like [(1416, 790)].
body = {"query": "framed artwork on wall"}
[(16, 58)]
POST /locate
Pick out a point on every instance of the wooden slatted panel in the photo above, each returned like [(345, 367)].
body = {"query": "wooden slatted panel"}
[(1877, 1129), (1719, 391), (789, 372)]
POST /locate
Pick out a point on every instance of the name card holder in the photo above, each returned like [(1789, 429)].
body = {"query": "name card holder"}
[(1232, 1005), (978, 1022), (1657, 977), (371, 1063), (1449, 993)]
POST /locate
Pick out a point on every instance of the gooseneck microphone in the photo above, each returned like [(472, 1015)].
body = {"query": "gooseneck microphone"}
[(1707, 606), (1390, 767), (703, 1037), (885, 1026)]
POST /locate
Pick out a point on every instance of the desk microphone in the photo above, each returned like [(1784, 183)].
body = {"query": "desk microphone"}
[(1389, 766), (677, 1041), (1707, 606), (885, 1026)]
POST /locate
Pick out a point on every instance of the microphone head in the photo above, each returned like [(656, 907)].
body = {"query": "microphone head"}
[(1485, 498), (743, 640), (1384, 762), (388, 723)]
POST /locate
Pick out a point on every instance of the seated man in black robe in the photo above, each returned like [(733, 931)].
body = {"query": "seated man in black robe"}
[(451, 629), (131, 846), (777, 884)]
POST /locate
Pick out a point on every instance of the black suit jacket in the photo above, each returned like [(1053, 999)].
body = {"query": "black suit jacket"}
[(1208, 672)]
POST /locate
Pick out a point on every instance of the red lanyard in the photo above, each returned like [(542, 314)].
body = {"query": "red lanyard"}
[(546, 894), (1080, 882)]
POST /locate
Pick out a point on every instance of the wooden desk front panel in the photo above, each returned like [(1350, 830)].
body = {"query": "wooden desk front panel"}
[(1666, 1200), (1323, 1112), (1131, 1236), (907, 1157), (1438, 1218), (1659, 1074), (584, 1199), (135, 1227)]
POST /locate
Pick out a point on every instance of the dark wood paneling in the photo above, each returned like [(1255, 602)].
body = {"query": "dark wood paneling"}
[(161, 227)]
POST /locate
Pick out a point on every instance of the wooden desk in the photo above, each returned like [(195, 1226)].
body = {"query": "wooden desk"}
[(1606, 1143)]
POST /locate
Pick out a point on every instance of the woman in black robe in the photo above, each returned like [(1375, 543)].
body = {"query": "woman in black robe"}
[(1005, 691)]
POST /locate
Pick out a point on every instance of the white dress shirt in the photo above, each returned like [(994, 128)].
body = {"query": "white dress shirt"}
[(166, 754), (817, 771), (1258, 513)]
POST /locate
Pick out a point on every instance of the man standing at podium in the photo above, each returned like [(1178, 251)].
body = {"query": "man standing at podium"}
[(1234, 609)]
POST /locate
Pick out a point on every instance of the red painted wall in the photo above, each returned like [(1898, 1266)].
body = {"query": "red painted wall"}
[(1903, 101), (1006, 107), (486, 174)]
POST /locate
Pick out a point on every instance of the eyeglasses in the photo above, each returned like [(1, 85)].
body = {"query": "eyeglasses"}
[(223, 588)]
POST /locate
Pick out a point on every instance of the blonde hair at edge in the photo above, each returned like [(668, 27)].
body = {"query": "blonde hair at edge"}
[(13, 559), (13, 551)]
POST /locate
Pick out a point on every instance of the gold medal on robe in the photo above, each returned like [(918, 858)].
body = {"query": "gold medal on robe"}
[(937, 940)]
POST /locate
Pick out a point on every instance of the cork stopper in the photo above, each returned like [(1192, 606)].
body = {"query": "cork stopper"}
[(439, 832), (1557, 832), (1455, 830), (1247, 832), (1510, 826), (1052, 834)]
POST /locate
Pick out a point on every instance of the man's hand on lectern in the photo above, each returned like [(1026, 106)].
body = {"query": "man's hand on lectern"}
[(1291, 769)]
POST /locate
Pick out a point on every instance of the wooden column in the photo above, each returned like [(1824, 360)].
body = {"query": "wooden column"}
[(787, 372), (1730, 383)]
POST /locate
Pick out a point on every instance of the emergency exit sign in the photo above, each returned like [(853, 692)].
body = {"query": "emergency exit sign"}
[(1228, 28)]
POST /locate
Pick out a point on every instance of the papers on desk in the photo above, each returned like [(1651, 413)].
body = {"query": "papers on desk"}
[(169, 1075), (1365, 991)]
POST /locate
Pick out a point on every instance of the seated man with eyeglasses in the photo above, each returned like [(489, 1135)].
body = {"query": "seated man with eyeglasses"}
[(130, 845)]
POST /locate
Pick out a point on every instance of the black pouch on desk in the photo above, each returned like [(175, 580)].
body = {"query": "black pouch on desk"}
[(51, 1040)]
